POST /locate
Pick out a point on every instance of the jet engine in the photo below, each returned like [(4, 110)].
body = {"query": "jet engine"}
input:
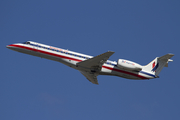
[(129, 65)]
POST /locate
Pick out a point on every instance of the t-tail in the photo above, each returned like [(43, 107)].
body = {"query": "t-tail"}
[(155, 66)]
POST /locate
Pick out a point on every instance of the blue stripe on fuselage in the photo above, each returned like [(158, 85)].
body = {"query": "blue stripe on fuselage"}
[(147, 74)]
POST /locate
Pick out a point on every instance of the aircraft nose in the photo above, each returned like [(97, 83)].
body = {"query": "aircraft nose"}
[(8, 46)]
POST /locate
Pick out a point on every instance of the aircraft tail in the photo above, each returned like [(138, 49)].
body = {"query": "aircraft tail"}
[(157, 64)]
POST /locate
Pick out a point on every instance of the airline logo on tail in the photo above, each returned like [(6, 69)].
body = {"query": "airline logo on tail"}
[(155, 67)]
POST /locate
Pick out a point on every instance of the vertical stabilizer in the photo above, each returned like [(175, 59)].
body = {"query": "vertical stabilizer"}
[(155, 66)]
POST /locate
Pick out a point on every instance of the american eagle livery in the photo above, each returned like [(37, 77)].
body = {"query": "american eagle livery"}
[(91, 66)]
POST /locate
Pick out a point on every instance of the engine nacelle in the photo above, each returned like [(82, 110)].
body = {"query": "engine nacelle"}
[(128, 65)]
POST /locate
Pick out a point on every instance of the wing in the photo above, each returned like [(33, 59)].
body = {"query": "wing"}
[(92, 66), (96, 61), (92, 77)]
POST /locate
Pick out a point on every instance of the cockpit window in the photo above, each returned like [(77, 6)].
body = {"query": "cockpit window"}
[(26, 42)]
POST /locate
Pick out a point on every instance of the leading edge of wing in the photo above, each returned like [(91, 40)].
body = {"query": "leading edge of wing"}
[(96, 61)]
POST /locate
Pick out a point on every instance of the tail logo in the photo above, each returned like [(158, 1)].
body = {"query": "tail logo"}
[(155, 67)]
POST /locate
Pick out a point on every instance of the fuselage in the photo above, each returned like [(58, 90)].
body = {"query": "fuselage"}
[(71, 59)]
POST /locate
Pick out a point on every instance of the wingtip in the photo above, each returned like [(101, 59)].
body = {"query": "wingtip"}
[(111, 51), (171, 54)]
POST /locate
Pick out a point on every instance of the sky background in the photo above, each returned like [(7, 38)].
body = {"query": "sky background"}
[(32, 88)]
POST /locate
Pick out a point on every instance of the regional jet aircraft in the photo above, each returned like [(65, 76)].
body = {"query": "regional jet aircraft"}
[(91, 66)]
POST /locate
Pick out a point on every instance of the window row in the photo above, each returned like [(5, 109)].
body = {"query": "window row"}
[(61, 51), (39, 46)]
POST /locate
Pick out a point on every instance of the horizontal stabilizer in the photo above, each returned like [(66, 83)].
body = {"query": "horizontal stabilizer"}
[(166, 57), (167, 62)]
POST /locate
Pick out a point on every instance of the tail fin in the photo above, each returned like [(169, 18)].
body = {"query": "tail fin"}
[(157, 64)]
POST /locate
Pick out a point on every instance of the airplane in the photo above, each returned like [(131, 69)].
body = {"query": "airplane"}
[(91, 66)]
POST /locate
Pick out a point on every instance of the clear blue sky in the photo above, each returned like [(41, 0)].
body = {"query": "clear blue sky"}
[(32, 88)]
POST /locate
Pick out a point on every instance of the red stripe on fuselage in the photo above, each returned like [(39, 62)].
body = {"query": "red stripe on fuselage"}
[(53, 54), (44, 52)]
